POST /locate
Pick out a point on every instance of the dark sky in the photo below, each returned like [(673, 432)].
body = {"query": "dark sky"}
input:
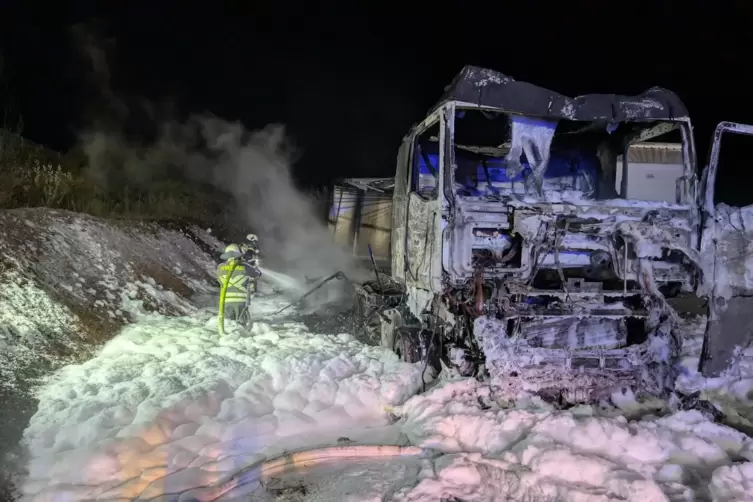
[(349, 79)]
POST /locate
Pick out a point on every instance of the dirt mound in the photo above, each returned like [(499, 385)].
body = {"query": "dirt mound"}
[(69, 281)]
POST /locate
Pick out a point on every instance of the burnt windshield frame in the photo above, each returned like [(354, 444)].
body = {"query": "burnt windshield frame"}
[(497, 138)]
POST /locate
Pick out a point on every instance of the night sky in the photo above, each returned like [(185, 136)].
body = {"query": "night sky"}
[(349, 79)]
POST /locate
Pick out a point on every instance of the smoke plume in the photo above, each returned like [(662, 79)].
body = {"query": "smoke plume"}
[(252, 167)]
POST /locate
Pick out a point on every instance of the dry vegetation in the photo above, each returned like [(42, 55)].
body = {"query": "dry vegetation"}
[(34, 176)]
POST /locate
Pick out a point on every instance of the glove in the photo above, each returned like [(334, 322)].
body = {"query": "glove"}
[(253, 268), (249, 248), (250, 255)]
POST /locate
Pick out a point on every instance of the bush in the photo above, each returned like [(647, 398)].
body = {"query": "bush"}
[(38, 184)]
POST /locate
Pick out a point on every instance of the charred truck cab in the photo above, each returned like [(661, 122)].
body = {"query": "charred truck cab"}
[(537, 238)]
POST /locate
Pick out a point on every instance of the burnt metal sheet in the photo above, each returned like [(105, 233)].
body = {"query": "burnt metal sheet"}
[(655, 153), (730, 327), (400, 212), (419, 242), (485, 87), (379, 185)]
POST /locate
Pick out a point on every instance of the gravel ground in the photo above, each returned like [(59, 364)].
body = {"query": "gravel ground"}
[(16, 408)]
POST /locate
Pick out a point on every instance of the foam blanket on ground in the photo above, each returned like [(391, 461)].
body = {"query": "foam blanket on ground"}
[(169, 406), (535, 453), (68, 281), (168, 410)]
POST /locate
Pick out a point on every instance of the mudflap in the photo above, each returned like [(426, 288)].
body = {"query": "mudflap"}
[(730, 326)]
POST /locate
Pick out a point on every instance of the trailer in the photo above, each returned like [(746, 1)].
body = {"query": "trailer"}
[(360, 216)]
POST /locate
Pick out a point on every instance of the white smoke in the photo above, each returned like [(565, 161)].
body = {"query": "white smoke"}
[(256, 169), (253, 169)]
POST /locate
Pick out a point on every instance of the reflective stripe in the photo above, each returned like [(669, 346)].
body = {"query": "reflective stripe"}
[(230, 299), (224, 268), (236, 291), (227, 267), (235, 281), (240, 284)]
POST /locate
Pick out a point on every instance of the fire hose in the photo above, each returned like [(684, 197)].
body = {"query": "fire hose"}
[(223, 292), (262, 472)]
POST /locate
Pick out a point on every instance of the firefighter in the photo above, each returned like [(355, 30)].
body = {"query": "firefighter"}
[(250, 259), (250, 249), (237, 276)]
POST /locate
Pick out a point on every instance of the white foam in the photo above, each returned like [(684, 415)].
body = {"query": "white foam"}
[(538, 453), (32, 323), (169, 406)]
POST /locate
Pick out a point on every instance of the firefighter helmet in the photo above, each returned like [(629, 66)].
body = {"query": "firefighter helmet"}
[(231, 251)]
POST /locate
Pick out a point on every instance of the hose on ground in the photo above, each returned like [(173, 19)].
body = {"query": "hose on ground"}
[(265, 471)]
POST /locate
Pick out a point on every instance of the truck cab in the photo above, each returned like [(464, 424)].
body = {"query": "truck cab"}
[(540, 239)]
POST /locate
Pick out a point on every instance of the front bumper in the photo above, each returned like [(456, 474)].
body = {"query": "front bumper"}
[(576, 375)]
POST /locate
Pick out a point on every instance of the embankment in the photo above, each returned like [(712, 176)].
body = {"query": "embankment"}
[(68, 283)]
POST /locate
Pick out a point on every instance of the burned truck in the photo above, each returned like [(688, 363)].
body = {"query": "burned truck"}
[(540, 240)]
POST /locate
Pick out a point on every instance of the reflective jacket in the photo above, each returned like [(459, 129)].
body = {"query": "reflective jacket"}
[(242, 281)]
